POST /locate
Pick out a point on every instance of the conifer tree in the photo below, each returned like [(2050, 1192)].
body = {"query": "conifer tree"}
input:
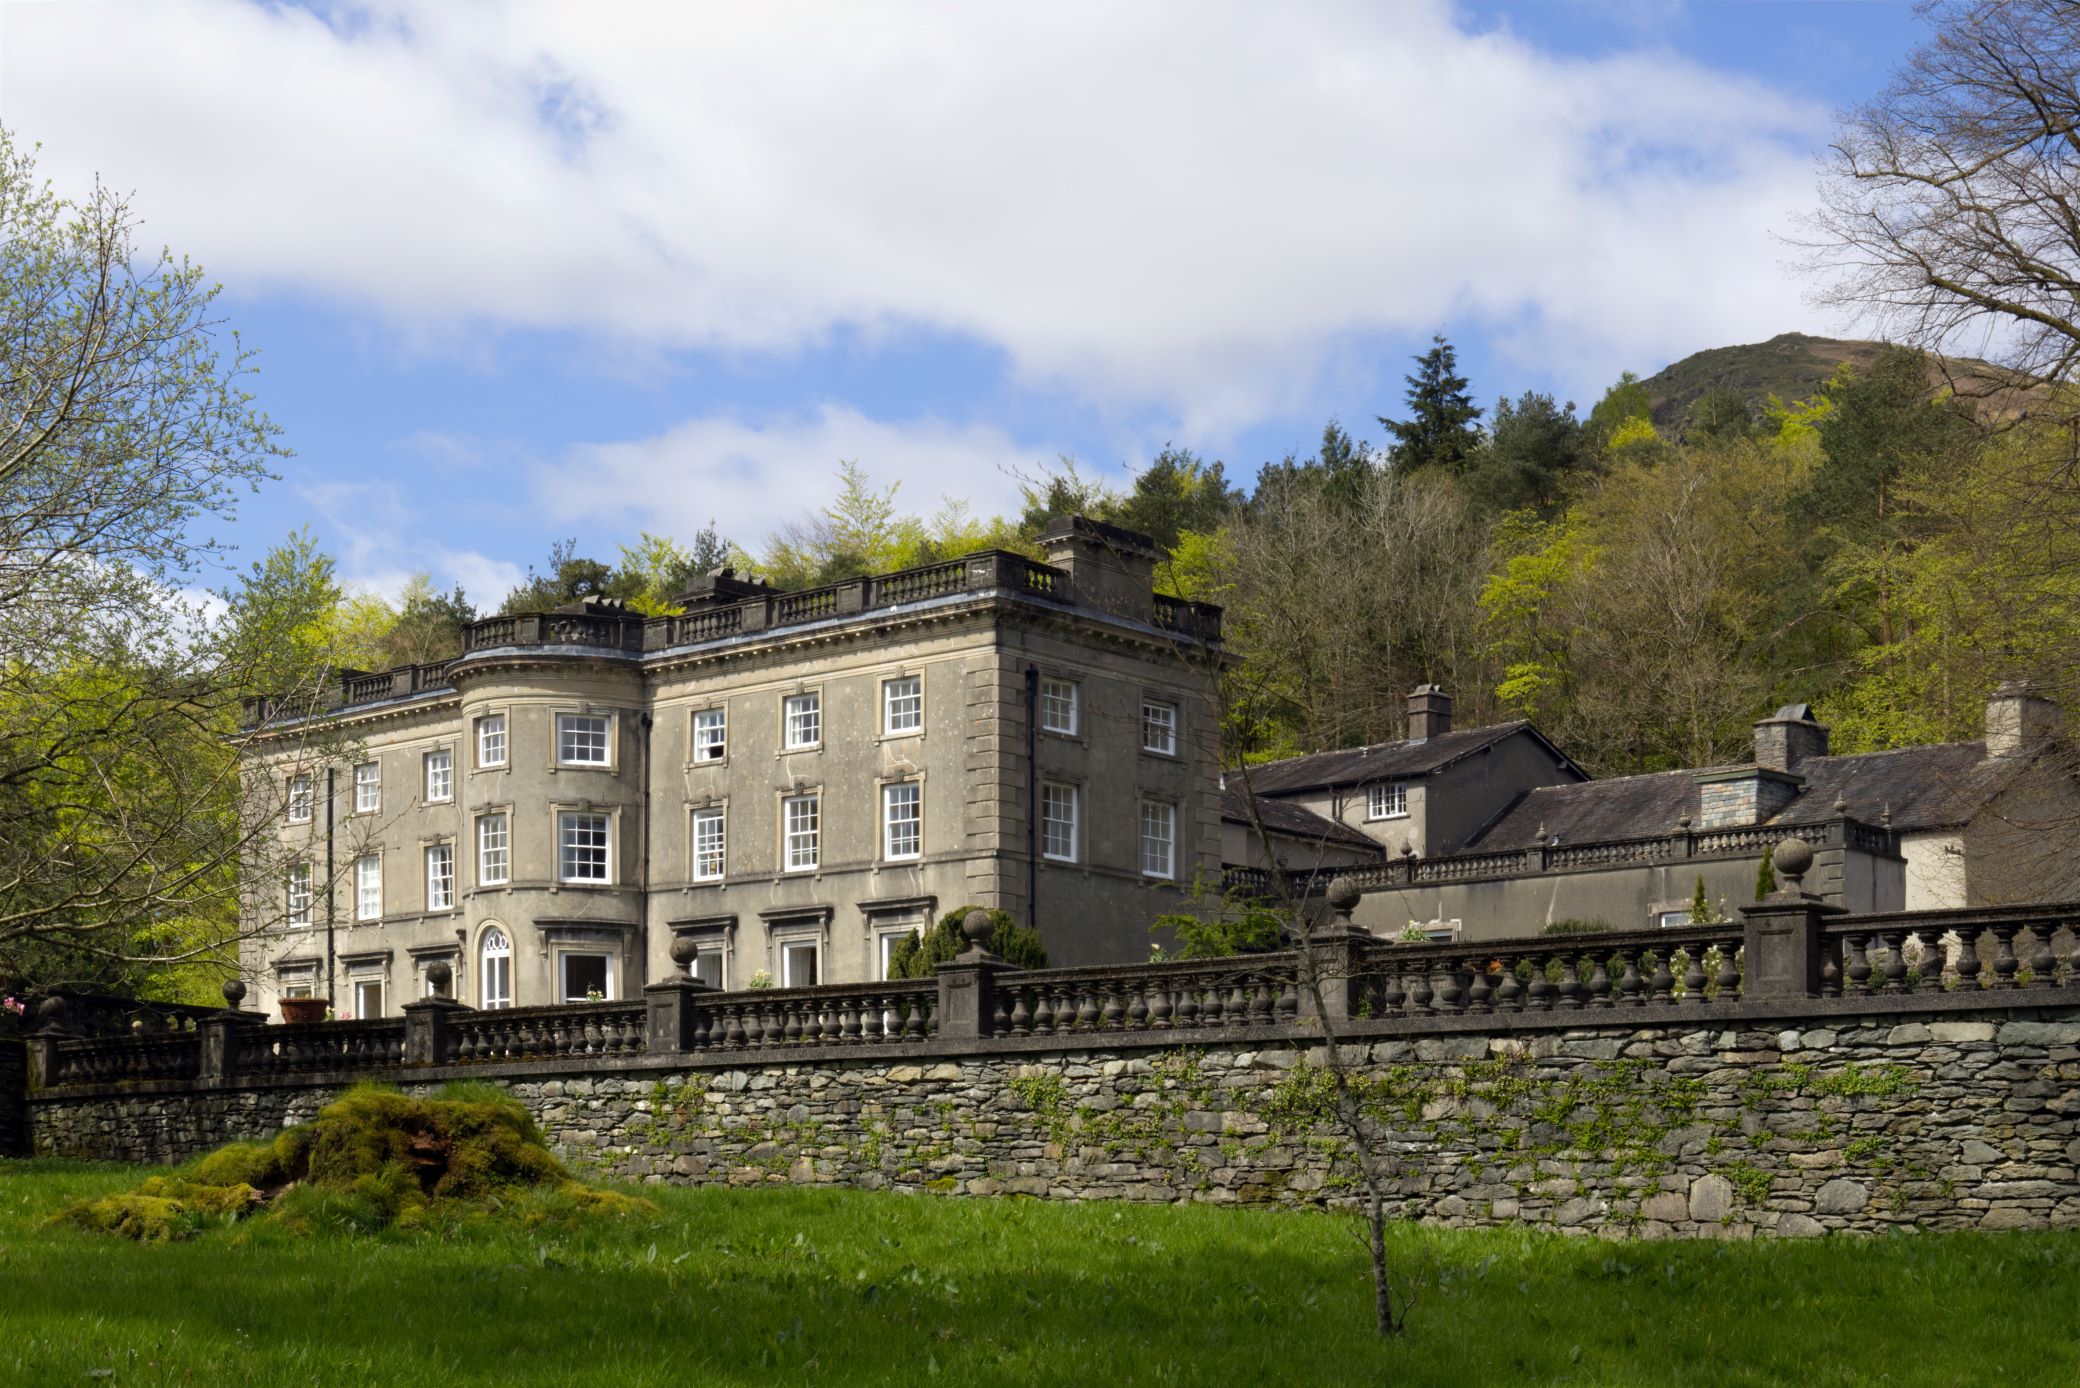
[(1442, 430)]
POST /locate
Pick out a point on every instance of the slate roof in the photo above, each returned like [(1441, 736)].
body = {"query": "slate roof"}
[(1282, 818), (1932, 787), (1382, 760)]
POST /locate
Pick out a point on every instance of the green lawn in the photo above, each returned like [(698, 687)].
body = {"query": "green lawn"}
[(788, 1286)]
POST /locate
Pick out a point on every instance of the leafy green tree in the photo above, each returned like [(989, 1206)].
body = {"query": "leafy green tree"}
[(128, 433), (1766, 873), (1531, 455), (570, 577), (1176, 493), (658, 568), (1340, 469), (429, 624), (1442, 429), (1065, 491), (1720, 414), (1626, 400)]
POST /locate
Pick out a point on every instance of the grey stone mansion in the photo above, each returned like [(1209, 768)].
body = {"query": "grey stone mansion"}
[(796, 781)]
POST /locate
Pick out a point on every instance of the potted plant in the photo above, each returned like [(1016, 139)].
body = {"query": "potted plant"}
[(305, 1009)]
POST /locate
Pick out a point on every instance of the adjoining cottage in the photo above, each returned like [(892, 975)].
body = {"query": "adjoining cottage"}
[(1915, 828)]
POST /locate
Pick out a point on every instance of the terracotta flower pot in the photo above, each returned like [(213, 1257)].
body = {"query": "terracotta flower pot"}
[(305, 1009)]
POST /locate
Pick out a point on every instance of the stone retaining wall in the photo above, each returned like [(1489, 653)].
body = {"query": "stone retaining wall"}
[(1943, 1119)]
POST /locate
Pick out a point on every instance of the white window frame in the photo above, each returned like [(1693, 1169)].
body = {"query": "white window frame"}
[(886, 942), (1386, 800), (570, 727), (440, 776), (570, 821), (801, 721), (1159, 840), (801, 834), (707, 817), (494, 857), (440, 877), (702, 955), (301, 800), (300, 983), (1053, 795), (902, 705), (1159, 727), (368, 887), (368, 787), (894, 792), (299, 895), (358, 982), (608, 993), (710, 735), (495, 969), (491, 741), (786, 947), (1061, 706)]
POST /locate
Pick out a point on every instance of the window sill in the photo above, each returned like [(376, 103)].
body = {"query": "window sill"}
[(905, 736), (798, 751)]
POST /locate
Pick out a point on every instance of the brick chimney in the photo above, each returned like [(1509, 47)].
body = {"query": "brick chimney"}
[(1429, 712), (1787, 737), (2019, 720), (1110, 568)]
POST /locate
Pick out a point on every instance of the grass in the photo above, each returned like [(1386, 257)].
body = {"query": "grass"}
[(780, 1285)]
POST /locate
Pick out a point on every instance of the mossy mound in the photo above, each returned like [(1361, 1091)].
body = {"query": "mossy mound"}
[(374, 1159)]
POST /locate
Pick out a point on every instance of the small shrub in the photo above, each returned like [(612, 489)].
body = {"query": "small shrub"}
[(920, 957), (1766, 874), (1575, 925)]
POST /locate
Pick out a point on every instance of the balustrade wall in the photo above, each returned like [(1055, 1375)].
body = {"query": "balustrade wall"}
[(1797, 1071)]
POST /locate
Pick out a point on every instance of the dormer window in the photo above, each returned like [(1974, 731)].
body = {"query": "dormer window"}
[(1386, 801)]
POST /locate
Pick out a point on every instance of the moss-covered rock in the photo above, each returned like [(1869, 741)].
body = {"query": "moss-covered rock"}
[(374, 1159)]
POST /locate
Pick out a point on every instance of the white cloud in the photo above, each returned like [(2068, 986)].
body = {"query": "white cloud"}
[(726, 469), (1187, 205), (380, 545)]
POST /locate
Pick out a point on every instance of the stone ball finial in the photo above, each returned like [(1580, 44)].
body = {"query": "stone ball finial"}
[(234, 993), (685, 949), (1343, 895), (1790, 859), (51, 1011), (441, 975), (1841, 804), (978, 927)]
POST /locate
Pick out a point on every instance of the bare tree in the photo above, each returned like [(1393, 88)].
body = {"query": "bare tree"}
[(1951, 212)]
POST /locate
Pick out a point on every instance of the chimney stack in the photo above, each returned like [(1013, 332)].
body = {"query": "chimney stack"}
[(1110, 568), (2019, 720), (1429, 713), (1787, 737)]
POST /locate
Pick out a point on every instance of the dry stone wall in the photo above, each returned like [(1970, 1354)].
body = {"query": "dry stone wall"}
[(1706, 1128)]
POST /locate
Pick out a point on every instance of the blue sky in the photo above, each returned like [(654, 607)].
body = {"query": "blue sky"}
[(517, 273)]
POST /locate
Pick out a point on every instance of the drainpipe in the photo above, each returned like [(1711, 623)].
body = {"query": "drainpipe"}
[(1033, 795), (331, 884), (643, 854)]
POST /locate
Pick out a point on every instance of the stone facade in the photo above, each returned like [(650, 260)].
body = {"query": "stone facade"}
[(797, 780), (1842, 1120)]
